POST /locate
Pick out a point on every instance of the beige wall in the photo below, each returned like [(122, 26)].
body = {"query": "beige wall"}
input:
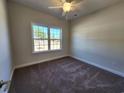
[(99, 38), (5, 55), (20, 18)]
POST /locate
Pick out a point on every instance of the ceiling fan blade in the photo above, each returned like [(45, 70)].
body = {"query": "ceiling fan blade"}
[(55, 7)]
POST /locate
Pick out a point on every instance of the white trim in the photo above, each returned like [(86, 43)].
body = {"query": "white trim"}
[(49, 50), (37, 62), (99, 66), (11, 75)]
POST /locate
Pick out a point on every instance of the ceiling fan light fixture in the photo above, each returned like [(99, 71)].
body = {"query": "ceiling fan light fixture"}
[(67, 7)]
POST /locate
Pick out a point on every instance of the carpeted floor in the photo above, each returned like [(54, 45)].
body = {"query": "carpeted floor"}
[(66, 75)]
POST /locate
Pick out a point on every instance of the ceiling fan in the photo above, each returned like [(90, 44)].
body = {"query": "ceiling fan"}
[(67, 6)]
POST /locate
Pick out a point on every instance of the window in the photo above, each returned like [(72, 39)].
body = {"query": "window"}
[(55, 38), (46, 38)]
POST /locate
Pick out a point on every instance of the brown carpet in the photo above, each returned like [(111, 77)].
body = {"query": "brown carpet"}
[(66, 75)]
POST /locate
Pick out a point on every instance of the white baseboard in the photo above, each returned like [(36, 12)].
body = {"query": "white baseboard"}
[(99, 66), (37, 62), (11, 75), (12, 72)]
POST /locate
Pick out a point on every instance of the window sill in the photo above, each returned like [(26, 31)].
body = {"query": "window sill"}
[(47, 51)]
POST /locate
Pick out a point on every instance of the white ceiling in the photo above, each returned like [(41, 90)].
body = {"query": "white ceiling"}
[(85, 8)]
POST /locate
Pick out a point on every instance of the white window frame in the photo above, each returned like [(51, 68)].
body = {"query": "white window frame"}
[(49, 50)]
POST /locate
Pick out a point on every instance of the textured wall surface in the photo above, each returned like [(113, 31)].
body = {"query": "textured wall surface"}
[(99, 38), (20, 23), (5, 55)]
